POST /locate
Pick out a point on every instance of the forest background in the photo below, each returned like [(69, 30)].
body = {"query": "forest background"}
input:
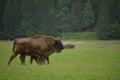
[(23, 18)]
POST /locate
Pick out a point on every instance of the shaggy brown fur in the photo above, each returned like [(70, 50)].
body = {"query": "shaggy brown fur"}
[(39, 47)]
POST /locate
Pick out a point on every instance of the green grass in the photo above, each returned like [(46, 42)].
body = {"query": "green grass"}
[(80, 36), (86, 62)]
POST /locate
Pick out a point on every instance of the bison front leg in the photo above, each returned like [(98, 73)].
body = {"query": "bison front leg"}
[(22, 58), (12, 57), (31, 59), (47, 60)]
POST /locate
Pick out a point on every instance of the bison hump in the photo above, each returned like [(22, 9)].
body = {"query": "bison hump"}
[(40, 44)]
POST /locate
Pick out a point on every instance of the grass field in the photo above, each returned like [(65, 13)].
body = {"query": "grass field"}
[(87, 61)]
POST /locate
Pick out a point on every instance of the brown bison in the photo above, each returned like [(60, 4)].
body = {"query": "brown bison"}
[(39, 47)]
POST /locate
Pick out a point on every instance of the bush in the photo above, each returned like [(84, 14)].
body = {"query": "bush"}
[(115, 31)]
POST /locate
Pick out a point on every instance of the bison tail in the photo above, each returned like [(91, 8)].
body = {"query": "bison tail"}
[(14, 45)]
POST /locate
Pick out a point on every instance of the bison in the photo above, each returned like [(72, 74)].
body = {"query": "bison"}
[(39, 47)]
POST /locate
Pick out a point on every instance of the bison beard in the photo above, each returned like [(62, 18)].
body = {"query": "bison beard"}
[(39, 47)]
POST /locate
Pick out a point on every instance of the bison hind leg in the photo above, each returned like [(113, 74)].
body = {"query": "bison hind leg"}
[(12, 57), (22, 58)]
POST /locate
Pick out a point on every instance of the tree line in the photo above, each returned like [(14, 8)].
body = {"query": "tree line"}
[(22, 18)]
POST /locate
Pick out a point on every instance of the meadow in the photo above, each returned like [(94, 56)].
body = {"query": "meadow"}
[(96, 60)]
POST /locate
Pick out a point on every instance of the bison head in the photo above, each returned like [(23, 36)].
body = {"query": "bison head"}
[(58, 46)]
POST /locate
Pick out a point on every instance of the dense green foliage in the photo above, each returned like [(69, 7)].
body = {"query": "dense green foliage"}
[(79, 36), (104, 27), (22, 18), (88, 17), (88, 61)]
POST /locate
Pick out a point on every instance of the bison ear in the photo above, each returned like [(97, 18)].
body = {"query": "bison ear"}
[(59, 44)]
